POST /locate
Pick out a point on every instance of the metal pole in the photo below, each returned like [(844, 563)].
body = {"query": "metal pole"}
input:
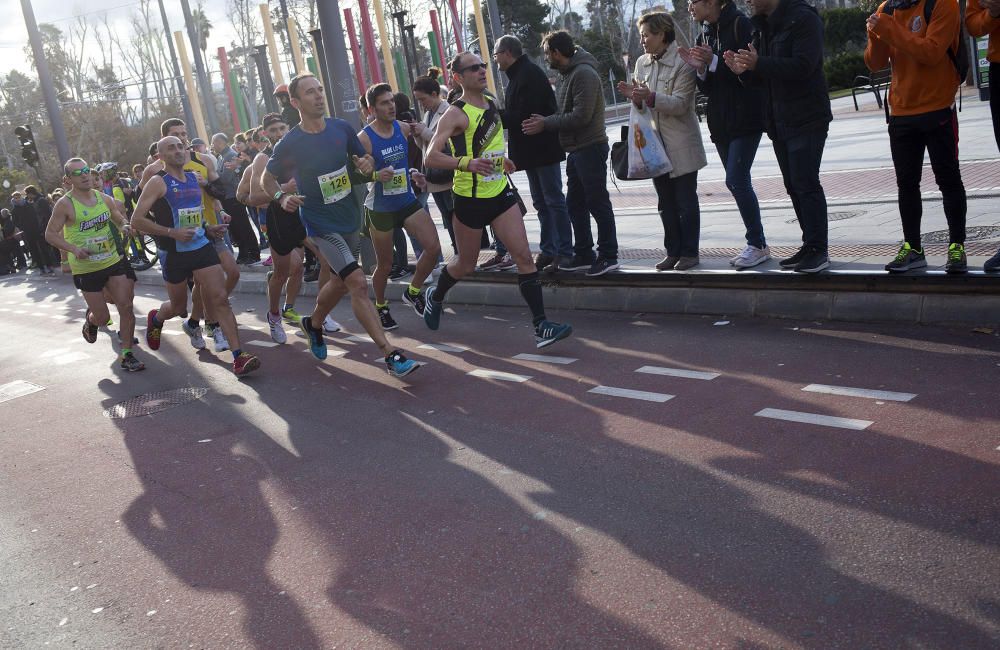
[(317, 36), (224, 68), (495, 34), (413, 51), (374, 71), (344, 107), (399, 16), (199, 66), (456, 25), (266, 83), (484, 46), (45, 81), (178, 81), (442, 55), (293, 41)]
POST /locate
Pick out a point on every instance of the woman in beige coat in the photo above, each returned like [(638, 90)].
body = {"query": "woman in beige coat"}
[(664, 83)]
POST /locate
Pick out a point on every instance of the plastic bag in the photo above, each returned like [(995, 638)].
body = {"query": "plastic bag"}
[(646, 156)]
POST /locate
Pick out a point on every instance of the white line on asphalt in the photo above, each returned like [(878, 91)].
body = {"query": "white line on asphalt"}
[(496, 374), (502, 320), (20, 311), (859, 392), (814, 418), (71, 357), (264, 344), (252, 327), (54, 352), (4, 309), (541, 358), (443, 347), (678, 372), (39, 314), (331, 353), (19, 388), (360, 339), (55, 317), (631, 394)]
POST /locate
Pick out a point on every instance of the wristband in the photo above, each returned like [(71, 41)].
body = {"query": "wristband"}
[(463, 163), (374, 175), (277, 195)]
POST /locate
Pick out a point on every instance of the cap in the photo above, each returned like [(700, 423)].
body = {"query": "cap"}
[(281, 89)]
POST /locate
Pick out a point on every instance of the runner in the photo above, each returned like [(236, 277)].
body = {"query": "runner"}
[(175, 198), (483, 196), (394, 204), (323, 154), (81, 226)]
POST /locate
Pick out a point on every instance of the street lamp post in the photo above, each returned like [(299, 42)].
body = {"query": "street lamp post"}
[(45, 81)]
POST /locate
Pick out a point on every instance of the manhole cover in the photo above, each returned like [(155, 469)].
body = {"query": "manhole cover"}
[(975, 233), (839, 216), (154, 402)]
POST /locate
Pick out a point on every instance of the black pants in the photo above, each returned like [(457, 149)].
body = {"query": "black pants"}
[(937, 133), (799, 158), (243, 235), (677, 201), (995, 102), (42, 254)]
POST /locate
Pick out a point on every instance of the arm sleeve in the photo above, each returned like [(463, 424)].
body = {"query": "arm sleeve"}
[(585, 89), (978, 20), (931, 46), (807, 52)]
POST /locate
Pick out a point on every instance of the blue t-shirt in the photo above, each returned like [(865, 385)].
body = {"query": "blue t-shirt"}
[(395, 194), (321, 165)]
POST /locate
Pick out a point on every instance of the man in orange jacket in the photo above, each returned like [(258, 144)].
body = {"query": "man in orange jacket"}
[(982, 17), (921, 107)]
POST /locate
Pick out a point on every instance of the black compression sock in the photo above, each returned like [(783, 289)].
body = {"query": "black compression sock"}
[(531, 291), (445, 283), (193, 324)]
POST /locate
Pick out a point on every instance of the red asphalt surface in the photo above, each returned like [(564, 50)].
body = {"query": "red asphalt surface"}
[(326, 504)]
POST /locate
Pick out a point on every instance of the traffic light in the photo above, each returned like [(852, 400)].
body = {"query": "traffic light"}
[(29, 151)]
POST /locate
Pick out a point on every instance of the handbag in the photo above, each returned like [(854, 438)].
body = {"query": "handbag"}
[(619, 156)]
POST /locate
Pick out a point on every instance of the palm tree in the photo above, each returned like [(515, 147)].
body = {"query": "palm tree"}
[(203, 27)]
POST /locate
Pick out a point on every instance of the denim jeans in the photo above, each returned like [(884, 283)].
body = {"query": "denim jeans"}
[(586, 196), (677, 201), (799, 158), (737, 157), (445, 201), (417, 248), (545, 185)]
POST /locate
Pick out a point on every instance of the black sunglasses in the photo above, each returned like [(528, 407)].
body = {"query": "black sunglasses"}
[(476, 66)]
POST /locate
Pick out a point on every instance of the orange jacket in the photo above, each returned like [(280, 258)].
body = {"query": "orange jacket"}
[(923, 77), (979, 22)]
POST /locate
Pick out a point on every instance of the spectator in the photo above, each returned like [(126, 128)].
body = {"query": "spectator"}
[(982, 17), (43, 211), (735, 113), (242, 232), (26, 219), (427, 92), (529, 93), (580, 124), (785, 58), (666, 85), (11, 255), (288, 112)]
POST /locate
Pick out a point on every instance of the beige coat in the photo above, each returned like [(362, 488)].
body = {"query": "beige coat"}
[(673, 81)]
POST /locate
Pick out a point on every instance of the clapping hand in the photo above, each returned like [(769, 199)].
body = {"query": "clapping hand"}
[(747, 59), (698, 57)]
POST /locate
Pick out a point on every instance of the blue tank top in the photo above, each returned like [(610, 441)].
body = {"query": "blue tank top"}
[(187, 208), (391, 152)]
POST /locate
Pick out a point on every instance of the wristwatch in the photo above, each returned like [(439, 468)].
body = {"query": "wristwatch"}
[(277, 195)]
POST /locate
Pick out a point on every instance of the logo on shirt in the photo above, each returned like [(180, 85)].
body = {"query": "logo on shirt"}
[(95, 222), (916, 24)]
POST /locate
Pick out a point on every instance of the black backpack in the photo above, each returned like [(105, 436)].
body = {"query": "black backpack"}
[(959, 59)]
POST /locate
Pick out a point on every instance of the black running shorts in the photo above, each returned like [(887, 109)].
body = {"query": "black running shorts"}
[(94, 281), (479, 213), (180, 266), (285, 231)]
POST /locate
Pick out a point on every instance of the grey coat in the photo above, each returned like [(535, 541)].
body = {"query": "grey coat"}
[(580, 116)]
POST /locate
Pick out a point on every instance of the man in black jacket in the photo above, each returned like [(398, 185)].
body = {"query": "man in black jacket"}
[(786, 59), (26, 218), (529, 93)]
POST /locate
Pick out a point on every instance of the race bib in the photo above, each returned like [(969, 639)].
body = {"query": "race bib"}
[(335, 185), (100, 248), (188, 218), (395, 185), (496, 157)]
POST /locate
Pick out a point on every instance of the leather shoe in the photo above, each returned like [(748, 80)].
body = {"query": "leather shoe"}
[(685, 263), (667, 263)]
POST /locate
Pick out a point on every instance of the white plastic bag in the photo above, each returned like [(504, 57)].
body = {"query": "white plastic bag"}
[(646, 156)]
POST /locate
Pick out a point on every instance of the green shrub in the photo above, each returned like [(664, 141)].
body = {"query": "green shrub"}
[(844, 30), (841, 69)]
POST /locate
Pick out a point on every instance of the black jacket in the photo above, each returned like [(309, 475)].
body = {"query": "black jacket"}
[(529, 92), (26, 219), (789, 44), (734, 110)]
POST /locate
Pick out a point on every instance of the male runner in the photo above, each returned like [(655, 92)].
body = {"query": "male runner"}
[(175, 198), (483, 196), (395, 205), (323, 154), (81, 226)]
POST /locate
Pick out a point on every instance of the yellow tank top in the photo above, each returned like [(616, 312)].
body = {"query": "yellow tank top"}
[(195, 165), (91, 231), (483, 139)]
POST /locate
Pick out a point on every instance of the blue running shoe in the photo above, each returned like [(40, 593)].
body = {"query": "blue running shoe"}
[(547, 333), (316, 343), (432, 310), (398, 365)]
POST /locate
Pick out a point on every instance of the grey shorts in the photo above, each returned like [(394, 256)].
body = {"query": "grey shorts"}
[(340, 250)]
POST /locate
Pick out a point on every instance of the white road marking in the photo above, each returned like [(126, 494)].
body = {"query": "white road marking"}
[(264, 344), (360, 338), (496, 374), (541, 358), (252, 327), (71, 357), (814, 418), (443, 347), (18, 388), (53, 352), (331, 353), (20, 311), (859, 392), (502, 320), (678, 372), (611, 391), (39, 314), (54, 317), (172, 333)]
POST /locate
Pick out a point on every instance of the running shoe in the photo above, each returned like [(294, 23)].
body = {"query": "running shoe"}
[(793, 261), (388, 322), (992, 265), (398, 273), (130, 363), (813, 261), (330, 326), (277, 331), (432, 309), (496, 263), (152, 331), (268, 261), (194, 333), (316, 343), (221, 342), (89, 329), (575, 263), (906, 259), (751, 256), (957, 262), (291, 315), (417, 302), (398, 365), (547, 333), (602, 266), (111, 322), (245, 364)]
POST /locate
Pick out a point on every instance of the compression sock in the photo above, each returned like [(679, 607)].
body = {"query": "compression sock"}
[(531, 291), (236, 353), (126, 351), (445, 283), (381, 305), (412, 290), (193, 323)]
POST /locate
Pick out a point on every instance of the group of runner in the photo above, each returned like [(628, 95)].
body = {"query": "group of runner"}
[(305, 180)]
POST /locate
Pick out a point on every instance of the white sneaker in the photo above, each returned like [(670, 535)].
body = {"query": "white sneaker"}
[(277, 331), (752, 256), (197, 340), (221, 344), (330, 326)]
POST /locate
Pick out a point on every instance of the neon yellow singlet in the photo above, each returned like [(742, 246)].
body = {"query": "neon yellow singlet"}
[(483, 139), (91, 231), (195, 165)]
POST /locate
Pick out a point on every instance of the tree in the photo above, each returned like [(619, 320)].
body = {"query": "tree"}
[(525, 19)]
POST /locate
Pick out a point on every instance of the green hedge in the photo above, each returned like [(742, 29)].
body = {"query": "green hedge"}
[(841, 69), (844, 30)]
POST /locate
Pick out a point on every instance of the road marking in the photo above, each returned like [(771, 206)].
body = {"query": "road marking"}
[(39, 314), (678, 372), (859, 392), (18, 388), (4, 309), (631, 394), (171, 333), (252, 327), (360, 339), (20, 311), (331, 353), (70, 357), (501, 376), (264, 344), (541, 358), (814, 418), (54, 352), (55, 317), (502, 320), (443, 347)]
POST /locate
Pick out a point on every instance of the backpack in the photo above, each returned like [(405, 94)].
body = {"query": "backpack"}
[(959, 59)]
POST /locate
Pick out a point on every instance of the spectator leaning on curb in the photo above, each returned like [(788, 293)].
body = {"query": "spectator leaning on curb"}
[(580, 123), (921, 108), (982, 17), (786, 59)]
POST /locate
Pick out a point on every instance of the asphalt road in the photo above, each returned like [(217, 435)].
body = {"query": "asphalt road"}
[(323, 504)]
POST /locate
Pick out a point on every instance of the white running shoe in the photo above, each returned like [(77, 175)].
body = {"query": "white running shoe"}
[(221, 343), (329, 325), (197, 340), (752, 256), (277, 331)]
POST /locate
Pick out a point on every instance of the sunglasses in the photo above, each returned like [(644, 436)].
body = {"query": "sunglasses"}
[(79, 172), (476, 66)]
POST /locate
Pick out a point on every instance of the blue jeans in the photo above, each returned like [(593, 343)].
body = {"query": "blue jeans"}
[(586, 196), (737, 158), (545, 185), (799, 158), (677, 202)]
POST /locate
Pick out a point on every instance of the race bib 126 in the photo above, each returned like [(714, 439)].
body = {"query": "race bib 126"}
[(335, 185)]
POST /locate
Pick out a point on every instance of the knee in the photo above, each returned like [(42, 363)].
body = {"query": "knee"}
[(296, 271), (433, 248)]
